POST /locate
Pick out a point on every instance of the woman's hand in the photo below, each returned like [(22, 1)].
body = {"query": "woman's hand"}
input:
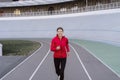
[(58, 48), (68, 53)]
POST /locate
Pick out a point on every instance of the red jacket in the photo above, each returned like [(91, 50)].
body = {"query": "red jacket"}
[(64, 47)]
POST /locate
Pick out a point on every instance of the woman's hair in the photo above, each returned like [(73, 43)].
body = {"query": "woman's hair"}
[(60, 28)]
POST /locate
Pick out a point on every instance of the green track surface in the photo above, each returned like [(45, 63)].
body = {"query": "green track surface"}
[(109, 54)]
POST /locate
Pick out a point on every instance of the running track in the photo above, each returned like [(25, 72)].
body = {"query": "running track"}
[(81, 65)]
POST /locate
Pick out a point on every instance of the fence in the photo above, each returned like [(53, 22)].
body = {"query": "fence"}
[(66, 11)]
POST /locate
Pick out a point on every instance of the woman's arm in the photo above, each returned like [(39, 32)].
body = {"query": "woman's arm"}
[(67, 46), (53, 47)]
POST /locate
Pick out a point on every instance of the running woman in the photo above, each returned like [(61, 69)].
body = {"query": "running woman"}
[(60, 47)]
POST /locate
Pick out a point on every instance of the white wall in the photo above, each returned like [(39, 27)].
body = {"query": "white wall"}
[(1, 49), (97, 25)]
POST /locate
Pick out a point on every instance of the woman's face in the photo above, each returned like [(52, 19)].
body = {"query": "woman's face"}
[(60, 32)]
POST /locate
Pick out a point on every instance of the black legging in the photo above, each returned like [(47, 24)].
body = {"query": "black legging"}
[(60, 66)]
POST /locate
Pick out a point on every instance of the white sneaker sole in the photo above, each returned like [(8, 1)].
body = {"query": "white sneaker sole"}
[(58, 77)]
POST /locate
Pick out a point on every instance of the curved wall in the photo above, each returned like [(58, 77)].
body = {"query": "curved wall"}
[(97, 25)]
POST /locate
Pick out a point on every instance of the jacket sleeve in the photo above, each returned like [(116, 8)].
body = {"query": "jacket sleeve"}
[(53, 47), (67, 46)]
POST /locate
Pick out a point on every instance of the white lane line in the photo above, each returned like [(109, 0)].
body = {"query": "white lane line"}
[(39, 65), (81, 63), (22, 62), (100, 60)]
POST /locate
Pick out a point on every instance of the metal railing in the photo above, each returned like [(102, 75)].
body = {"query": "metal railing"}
[(66, 11)]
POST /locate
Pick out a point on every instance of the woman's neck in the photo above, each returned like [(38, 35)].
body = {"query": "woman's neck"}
[(60, 37)]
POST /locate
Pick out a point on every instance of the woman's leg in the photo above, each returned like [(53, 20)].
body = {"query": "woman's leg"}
[(63, 63), (57, 65)]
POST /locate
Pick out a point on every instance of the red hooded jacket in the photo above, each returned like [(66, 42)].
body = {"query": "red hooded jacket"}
[(64, 47)]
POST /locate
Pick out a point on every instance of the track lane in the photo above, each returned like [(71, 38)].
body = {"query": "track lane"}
[(96, 69), (26, 68), (73, 71)]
